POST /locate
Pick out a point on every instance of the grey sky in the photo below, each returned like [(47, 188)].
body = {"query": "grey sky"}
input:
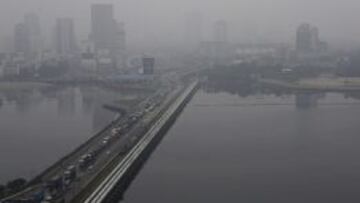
[(163, 20)]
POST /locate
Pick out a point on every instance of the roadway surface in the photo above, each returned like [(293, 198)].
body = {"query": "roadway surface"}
[(105, 187), (114, 150)]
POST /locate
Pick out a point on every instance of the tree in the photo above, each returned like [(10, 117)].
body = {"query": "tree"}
[(16, 185), (2, 191)]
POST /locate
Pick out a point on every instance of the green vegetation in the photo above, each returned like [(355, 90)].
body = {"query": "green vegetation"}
[(16, 185), (2, 191), (12, 187)]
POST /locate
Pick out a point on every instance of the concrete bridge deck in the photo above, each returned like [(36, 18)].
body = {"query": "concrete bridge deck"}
[(104, 189)]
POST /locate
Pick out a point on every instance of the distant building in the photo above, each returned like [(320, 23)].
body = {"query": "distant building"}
[(102, 26), (304, 38), (65, 40), (11, 70), (27, 37), (307, 39), (88, 62), (11, 67), (108, 35), (105, 63), (32, 23), (21, 39), (120, 45), (87, 46), (88, 57), (148, 65)]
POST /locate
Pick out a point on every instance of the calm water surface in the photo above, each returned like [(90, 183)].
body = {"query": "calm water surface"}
[(258, 148), (39, 127)]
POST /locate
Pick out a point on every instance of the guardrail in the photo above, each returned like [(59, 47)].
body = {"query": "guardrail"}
[(34, 183), (119, 172)]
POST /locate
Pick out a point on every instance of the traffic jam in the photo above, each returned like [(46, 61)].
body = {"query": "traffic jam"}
[(55, 189)]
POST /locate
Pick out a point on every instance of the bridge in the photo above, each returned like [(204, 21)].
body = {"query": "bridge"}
[(103, 192), (107, 161)]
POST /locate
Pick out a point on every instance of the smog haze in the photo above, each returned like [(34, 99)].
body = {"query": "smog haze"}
[(162, 21)]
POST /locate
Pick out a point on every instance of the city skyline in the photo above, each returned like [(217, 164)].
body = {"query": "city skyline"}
[(179, 101), (243, 17)]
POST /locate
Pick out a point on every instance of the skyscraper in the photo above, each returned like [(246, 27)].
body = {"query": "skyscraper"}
[(33, 27), (27, 37), (103, 26), (65, 37), (307, 39), (21, 39), (303, 38), (108, 35), (120, 45)]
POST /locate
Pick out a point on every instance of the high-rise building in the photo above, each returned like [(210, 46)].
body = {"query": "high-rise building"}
[(220, 31), (27, 37), (103, 26), (21, 39), (120, 45), (307, 39), (65, 40), (108, 35), (32, 24), (304, 38)]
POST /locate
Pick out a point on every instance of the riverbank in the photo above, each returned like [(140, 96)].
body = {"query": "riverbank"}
[(254, 153), (21, 86), (316, 84)]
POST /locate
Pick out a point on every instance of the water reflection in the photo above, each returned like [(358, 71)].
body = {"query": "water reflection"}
[(67, 102), (302, 99), (38, 126), (307, 100), (247, 143)]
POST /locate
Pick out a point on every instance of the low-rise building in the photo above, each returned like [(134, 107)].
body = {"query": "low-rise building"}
[(88, 62)]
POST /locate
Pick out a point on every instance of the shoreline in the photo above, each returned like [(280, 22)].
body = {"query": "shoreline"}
[(309, 87), (22, 86)]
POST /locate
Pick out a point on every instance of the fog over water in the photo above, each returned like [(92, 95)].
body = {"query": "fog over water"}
[(39, 128), (162, 21), (256, 148), (180, 100)]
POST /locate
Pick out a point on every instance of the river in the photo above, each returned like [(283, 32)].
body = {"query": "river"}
[(249, 146), (38, 127)]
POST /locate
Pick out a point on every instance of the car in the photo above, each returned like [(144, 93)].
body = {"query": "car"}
[(69, 175), (85, 161), (104, 142), (54, 186)]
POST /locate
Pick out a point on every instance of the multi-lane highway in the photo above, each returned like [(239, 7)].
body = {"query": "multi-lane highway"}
[(106, 186), (89, 173)]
